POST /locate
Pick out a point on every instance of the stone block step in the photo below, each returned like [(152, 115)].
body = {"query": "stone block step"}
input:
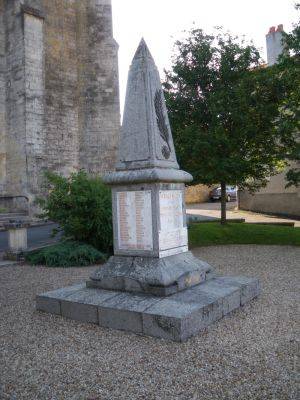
[(5, 216), (176, 317), (7, 263)]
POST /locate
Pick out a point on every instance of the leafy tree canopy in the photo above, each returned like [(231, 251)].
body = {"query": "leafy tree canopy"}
[(288, 121), (222, 102)]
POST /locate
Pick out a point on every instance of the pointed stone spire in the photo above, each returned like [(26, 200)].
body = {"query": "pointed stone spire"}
[(142, 51), (146, 138)]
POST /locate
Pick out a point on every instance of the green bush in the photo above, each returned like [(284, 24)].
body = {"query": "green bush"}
[(65, 254), (81, 205)]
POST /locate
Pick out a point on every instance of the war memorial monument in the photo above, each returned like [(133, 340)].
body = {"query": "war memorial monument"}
[(152, 285)]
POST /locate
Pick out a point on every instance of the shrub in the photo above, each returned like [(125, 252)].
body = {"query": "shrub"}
[(81, 205), (65, 254)]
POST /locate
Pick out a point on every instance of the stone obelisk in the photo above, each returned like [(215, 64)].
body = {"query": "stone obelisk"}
[(150, 233), (152, 285)]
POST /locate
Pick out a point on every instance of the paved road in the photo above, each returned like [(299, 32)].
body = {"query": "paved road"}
[(211, 211), (36, 235), (213, 206)]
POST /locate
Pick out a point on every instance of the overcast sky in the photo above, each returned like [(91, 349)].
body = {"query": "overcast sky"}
[(161, 22)]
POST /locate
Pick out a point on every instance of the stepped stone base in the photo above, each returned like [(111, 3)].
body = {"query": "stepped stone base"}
[(176, 317)]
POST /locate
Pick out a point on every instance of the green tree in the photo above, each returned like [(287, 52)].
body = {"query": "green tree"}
[(222, 102), (81, 205), (288, 121)]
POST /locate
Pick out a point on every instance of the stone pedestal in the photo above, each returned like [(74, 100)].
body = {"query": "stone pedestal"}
[(150, 237)]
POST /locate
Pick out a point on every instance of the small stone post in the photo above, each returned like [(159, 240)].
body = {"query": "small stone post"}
[(17, 238)]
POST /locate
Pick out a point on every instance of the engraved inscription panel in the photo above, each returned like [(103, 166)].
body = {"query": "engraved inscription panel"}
[(134, 216), (172, 233)]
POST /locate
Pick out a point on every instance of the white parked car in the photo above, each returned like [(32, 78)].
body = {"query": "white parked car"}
[(231, 193)]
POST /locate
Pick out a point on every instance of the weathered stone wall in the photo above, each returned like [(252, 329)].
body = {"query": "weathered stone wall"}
[(275, 198), (59, 99), (34, 72), (15, 140), (98, 71), (61, 86), (2, 100)]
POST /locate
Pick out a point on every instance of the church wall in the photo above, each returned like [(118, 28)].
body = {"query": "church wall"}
[(98, 72), (15, 140), (59, 98), (61, 90)]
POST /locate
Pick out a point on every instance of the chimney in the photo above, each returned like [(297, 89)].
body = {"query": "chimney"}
[(274, 44)]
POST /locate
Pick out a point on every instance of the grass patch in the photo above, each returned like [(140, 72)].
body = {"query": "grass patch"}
[(213, 233), (66, 254)]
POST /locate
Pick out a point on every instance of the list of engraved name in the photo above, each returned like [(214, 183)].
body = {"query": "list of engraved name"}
[(134, 220)]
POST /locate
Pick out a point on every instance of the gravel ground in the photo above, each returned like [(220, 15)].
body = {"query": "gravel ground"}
[(251, 354)]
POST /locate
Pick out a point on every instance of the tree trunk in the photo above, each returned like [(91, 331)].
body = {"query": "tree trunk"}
[(223, 203)]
